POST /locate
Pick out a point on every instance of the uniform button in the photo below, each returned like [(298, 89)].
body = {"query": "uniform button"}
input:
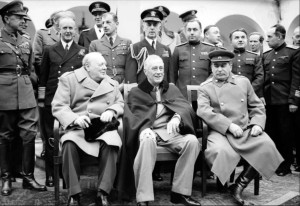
[(216, 80), (222, 104), (239, 60), (89, 111), (193, 68), (193, 47), (239, 66), (274, 60), (113, 58), (59, 72), (239, 55), (193, 61), (194, 77), (242, 100), (112, 50), (273, 83), (107, 102), (276, 52), (239, 73), (114, 66), (91, 100), (193, 54), (72, 67), (272, 75), (273, 67), (59, 66)]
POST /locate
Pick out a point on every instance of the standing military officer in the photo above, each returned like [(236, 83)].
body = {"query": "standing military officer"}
[(256, 43), (185, 17), (17, 102), (245, 62), (149, 45), (63, 56), (212, 35), (282, 80), (97, 9), (113, 48), (167, 37), (190, 60)]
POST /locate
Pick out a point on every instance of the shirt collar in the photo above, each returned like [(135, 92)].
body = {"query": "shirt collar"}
[(65, 43), (150, 41), (113, 37), (99, 31)]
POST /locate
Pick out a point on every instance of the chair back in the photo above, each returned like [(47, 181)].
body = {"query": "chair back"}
[(190, 89)]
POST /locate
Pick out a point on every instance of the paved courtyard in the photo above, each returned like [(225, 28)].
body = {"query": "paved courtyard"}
[(272, 192)]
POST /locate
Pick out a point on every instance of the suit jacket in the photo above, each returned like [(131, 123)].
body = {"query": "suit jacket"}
[(77, 95), (16, 92), (115, 55), (55, 63), (86, 37), (134, 74)]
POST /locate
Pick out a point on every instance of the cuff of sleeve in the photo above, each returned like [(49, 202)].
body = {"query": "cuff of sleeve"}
[(41, 93)]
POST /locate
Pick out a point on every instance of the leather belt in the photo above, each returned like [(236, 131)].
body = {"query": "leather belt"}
[(18, 71)]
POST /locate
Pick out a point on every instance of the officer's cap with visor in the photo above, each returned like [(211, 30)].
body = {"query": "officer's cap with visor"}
[(164, 10), (189, 15), (152, 15), (220, 56), (99, 6), (13, 8)]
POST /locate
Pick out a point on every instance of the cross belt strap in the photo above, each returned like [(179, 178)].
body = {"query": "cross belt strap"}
[(18, 54)]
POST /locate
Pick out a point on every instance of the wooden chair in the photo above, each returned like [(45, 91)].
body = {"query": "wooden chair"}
[(205, 169)]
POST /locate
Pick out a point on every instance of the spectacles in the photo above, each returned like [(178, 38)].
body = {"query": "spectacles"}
[(154, 23)]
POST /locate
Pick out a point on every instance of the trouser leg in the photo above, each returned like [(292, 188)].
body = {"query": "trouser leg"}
[(143, 166), (108, 156), (71, 167), (5, 168), (48, 127)]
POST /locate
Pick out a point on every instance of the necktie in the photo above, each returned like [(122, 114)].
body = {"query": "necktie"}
[(153, 44), (111, 41), (160, 106), (66, 48)]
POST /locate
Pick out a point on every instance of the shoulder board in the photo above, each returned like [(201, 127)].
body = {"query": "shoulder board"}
[(182, 44), (291, 47), (26, 36), (238, 76), (220, 47), (251, 52), (206, 82), (44, 29), (209, 44), (268, 50), (86, 29)]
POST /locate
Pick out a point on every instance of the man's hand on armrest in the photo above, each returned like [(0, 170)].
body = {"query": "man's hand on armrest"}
[(173, 125), (235, 130), (83, 121)]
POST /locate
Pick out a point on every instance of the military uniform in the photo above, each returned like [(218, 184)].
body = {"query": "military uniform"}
[(249, 64), (282, 79), (191, 64), (115, 55), (87, 36), (18, 112)]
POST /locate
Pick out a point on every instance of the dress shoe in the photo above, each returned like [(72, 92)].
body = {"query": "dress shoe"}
[(177, 198), (157, 177), (49, 181), (6, 187), (283, 172), (12, 179), (142, 204), (30, 183), (101, 199), (74, 200)]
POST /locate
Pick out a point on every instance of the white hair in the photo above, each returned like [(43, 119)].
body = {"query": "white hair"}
[(149, 61)]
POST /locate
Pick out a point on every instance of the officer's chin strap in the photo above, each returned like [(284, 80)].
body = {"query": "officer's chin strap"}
[(142, 55)]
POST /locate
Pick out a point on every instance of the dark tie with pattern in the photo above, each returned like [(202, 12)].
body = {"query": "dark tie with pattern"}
[(111, 41), (66, 48)]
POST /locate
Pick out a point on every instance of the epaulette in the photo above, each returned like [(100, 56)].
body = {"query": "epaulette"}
[(209, 44), (182, 44), (67, 73), (206, 82), (238, 76), (86, 30), (44, 29), (270, 49), (291, 47), (26, 36), (251, 52)]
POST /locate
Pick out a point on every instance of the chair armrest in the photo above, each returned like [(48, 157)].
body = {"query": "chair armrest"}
[(205, 135)]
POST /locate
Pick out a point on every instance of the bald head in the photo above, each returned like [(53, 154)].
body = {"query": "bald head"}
[(95, 64)]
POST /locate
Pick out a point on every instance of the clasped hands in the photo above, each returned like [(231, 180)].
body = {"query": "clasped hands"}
[(238, 132), (84, 121)]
